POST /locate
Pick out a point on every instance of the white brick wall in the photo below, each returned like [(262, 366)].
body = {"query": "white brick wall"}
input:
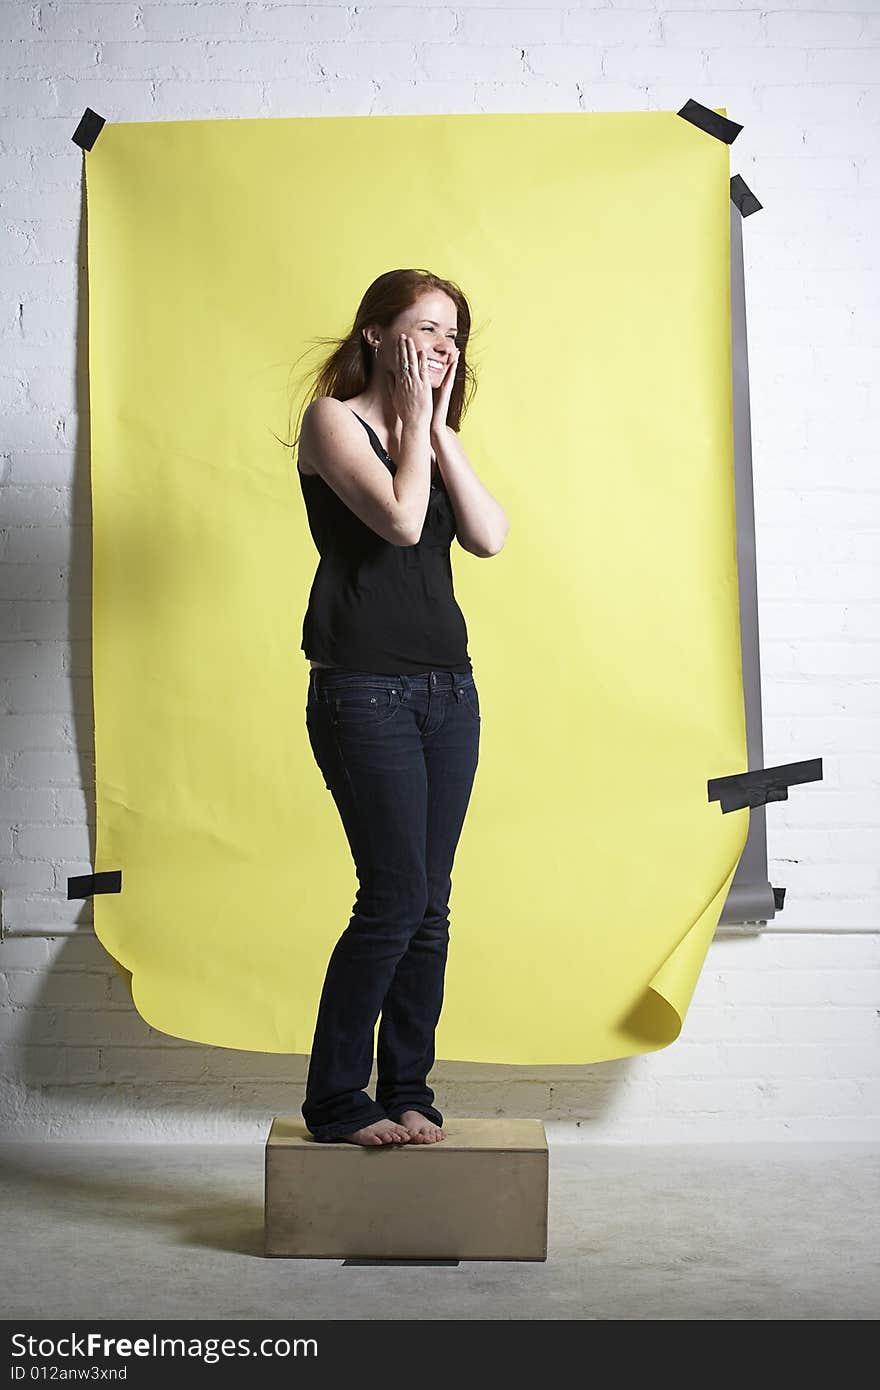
[(782, 1037)]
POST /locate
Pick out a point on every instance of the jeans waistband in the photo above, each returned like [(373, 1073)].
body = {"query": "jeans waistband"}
[(322, 678)]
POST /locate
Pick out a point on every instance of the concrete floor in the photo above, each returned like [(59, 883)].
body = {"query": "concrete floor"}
[(747, 1231)]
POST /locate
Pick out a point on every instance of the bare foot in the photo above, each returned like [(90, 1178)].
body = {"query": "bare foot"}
[(420, 1128), (380, 1132)]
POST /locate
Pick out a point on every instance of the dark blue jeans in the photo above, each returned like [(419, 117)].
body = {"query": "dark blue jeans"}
[(399, 755)]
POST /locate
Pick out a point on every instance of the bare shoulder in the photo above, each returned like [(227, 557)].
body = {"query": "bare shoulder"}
[(322, 417), (323, 405)]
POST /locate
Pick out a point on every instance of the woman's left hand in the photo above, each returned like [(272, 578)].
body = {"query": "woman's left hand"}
[(444, 391)]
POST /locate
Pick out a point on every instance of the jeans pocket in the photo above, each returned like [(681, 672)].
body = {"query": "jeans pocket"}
[(471, 697), (358, 709)]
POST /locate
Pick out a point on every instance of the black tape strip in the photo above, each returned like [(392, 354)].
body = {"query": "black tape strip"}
[(706, 119), (779, 898), (89, 128), (763, 785), (86, 885), (742, 195)]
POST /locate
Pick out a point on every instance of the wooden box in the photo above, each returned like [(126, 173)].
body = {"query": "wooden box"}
[(478, 1194)]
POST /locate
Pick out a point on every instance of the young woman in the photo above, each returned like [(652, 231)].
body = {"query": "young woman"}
[(393, 714)]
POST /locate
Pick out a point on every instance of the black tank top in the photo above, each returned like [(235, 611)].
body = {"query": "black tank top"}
[(374, 606)]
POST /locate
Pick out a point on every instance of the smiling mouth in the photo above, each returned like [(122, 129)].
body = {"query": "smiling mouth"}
[(437, 366)]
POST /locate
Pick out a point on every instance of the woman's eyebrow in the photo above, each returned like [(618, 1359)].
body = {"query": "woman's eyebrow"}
[(435, 324)]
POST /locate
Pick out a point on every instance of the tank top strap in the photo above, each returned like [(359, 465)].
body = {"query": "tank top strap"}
[(374, 438)]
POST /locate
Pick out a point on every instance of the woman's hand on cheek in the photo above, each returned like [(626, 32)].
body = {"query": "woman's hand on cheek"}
[(444, 391)]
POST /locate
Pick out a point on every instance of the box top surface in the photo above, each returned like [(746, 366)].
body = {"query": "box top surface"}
[(504, 1134)]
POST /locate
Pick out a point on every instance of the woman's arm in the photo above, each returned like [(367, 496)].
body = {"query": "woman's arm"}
[(481, 522)]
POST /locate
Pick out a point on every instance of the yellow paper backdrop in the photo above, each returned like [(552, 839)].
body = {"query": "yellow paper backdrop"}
[(592, 869)]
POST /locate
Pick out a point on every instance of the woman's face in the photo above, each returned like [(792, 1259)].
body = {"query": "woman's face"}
[(432, 324)]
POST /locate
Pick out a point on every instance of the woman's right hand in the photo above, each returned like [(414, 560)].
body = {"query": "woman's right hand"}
[(412, 394)]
